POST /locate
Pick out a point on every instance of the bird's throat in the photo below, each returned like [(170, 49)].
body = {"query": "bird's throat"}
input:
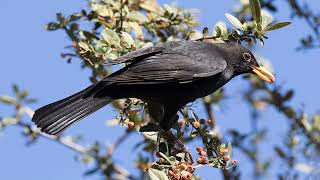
[(227, 74)]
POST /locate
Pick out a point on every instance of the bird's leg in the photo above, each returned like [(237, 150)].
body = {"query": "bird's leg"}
[(166, 115), (163, 145), (171, 139)]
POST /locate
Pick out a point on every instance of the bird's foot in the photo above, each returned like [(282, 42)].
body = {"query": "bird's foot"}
[(172, 140), (167, 141)]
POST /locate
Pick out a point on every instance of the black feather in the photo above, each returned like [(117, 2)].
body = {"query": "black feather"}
[(55, 117), (170, 74)]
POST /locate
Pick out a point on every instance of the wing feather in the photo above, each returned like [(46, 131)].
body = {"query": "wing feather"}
[(146, 52), (183, 63)]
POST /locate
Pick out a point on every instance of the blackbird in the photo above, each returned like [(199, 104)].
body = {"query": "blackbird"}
[(169, 74)]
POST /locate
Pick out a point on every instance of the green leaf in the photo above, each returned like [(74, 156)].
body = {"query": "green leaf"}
[(276, 26), (74, 17), (110, 56), (169, 9), (102, 10), (248, 25), (280, 152), (111, 37), (153, 136), (127, 39), (52, 26), (266, 18), (155, 174), (181, 155), (261, 42), (214, 162), (15, 89), (146, 45), (7, 99), (305, 168), (256, 11), (91, 171), (112, 122), (230, 149), (234, 21), (194, 134), (86, 35), (222, 146), (266, 165), (23, 94), (137, 16), (195, 117), (172, 159), (149, 5), (84, 46), (8, 121), (316, 122), (135, 27), (288, 95), (60, 18), (205, 31), (217, 31), (165, 157), (222, 26)]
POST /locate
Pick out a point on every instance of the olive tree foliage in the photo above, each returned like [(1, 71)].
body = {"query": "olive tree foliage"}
[(107, 29)]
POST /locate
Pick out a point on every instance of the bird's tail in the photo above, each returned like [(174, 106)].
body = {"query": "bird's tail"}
[(55, 117)]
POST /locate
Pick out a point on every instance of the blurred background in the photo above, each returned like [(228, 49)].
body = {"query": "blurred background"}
[(30, 57)]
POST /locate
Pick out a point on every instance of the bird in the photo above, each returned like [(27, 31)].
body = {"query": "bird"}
[(170, 75)]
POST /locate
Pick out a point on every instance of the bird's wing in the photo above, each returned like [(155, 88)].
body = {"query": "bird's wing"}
[(183, 63), (146, 52)]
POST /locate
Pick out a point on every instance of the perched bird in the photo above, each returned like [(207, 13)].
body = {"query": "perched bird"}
[(169, 74)]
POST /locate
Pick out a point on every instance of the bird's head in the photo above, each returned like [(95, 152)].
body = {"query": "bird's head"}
[(243, 61)]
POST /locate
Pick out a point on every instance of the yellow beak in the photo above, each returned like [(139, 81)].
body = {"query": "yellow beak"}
[(263, 74)]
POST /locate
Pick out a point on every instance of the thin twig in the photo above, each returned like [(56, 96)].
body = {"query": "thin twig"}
[(117, 143), (209, 112), (67, 142), (226, 174)]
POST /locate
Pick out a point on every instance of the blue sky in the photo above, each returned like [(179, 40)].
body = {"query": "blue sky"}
[(30, 57)]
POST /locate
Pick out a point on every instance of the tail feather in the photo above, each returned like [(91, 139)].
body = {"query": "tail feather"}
[(46, 110), (76, 116), (62, 113), (55, 117)]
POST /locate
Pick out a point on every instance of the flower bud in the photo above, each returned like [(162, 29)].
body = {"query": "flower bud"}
[(182, 123), (234, 162), (196, 124), (130, 125), (199, 149), (202, 160), (190, 169), (222, 151), (226, 158)]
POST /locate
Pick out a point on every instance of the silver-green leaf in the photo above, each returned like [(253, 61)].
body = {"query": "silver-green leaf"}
[(234, 21), (155, 174), (7, 99), (137, 16), (266, 18), (256, 11), (111, 37), (222, 26), (276, 26), (230, 149), (127, 39)]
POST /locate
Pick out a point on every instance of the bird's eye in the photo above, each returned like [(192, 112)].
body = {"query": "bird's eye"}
[(247, 57)]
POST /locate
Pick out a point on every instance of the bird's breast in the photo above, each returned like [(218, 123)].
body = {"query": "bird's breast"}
[(180, 93), (208, 86)]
